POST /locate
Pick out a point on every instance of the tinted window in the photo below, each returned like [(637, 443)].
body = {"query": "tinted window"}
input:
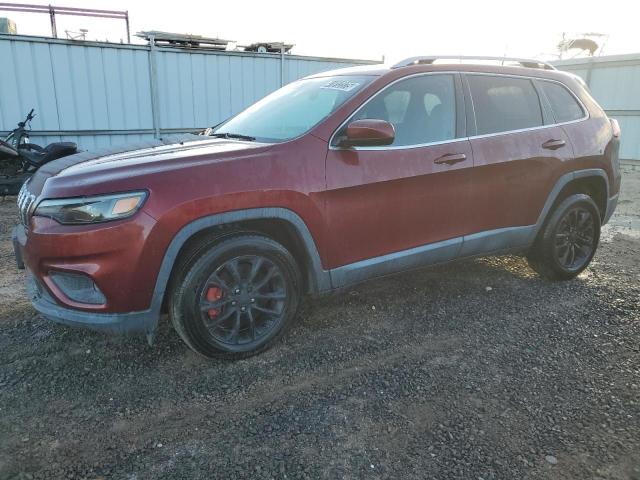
[(504, 103), (421, 109), (565, 107)]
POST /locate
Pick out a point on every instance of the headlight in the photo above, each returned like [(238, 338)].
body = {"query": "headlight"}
[(100, 208)]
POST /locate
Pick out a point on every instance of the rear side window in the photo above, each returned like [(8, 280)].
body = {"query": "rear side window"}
[(502, 104), (564, 105), (422, 109)]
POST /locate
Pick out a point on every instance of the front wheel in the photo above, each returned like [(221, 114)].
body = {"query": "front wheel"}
[(236, 297), (569, 239)]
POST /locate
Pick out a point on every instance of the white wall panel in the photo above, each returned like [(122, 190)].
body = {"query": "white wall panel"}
[(99, 94), (614, 82)]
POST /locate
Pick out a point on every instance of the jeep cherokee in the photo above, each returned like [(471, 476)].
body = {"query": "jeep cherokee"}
[(333, 179)]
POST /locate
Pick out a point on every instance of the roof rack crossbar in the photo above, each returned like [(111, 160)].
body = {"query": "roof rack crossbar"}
[(525, 62)]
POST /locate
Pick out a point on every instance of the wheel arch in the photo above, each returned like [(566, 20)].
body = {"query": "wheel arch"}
[(593, 182), (594, 186), (280, 224)]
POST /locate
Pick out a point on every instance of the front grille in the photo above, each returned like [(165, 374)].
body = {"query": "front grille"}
[(25, 203)]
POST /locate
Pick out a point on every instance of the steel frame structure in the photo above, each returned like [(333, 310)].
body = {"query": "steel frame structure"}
[(53, 11)]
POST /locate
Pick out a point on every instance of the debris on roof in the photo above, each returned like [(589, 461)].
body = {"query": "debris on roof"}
[(184, 40), (269, 47)]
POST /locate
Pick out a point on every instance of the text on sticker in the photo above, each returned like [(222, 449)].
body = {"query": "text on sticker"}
[(341, 85)]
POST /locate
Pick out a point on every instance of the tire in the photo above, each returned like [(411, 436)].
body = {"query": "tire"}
[(568, 240), (235, 296)]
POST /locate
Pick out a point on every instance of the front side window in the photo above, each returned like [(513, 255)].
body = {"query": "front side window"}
[(422, 109), (294, 109), (502, 104), (564, 105)]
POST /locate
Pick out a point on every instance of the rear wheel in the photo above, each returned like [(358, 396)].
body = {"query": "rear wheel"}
[(569, 239), (236, 297)]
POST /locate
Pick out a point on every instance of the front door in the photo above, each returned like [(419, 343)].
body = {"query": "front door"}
[(390, 200)]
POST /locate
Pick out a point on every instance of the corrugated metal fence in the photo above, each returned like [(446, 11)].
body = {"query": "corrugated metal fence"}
[(615, 83), (100, 94)]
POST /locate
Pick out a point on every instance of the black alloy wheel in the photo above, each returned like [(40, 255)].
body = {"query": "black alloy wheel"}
[(243, 300), (233, 297), (575, 238), (568, 239)]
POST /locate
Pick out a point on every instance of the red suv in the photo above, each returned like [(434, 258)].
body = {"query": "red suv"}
[(334, 179)]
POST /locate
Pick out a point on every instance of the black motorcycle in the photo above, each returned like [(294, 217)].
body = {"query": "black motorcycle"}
[(19, 158)]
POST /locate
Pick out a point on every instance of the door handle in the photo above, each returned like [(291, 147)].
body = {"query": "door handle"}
[(553, 144), (450, 158)]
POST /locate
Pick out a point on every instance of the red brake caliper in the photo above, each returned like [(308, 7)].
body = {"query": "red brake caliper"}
[(213, 294)]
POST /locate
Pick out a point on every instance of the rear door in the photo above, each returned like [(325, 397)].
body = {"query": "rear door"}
[(518, 151), (414, 192)]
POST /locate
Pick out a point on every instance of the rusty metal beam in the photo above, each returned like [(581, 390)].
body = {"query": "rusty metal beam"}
[(52, 11)]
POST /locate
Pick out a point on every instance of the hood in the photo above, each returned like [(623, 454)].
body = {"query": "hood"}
[(127, 161)]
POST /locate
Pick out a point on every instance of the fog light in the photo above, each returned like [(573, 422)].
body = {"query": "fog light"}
[(78, 287)]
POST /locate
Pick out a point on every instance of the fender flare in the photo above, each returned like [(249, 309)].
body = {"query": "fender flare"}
[(321, 280), (562, 182)]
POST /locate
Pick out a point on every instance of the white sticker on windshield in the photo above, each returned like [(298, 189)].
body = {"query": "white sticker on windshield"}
[(341, 85)]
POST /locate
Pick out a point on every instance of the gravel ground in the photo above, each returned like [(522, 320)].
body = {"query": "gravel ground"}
[(476, 370)]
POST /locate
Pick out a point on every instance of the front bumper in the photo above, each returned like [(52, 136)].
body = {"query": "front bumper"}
[(116, 323), (30, 256), (118, 257)]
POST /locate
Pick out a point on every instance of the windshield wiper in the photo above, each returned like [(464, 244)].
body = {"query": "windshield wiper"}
[(237, 136)]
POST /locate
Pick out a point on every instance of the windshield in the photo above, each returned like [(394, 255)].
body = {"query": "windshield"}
[(294, 109)]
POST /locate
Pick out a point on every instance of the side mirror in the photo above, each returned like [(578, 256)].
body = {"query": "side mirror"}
[(368, 133)]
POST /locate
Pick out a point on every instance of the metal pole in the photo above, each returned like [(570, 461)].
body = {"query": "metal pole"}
[(282, 65), (153, 84), (126, 19), (52, 17), (587, 80)]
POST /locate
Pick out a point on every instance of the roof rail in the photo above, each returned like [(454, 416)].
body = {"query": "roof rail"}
[(428, 60)]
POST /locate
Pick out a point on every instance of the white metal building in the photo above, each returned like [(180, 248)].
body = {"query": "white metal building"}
[(615, 83), (99, 94)]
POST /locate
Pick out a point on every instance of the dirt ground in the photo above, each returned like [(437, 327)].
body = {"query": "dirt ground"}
[(476, 370)]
